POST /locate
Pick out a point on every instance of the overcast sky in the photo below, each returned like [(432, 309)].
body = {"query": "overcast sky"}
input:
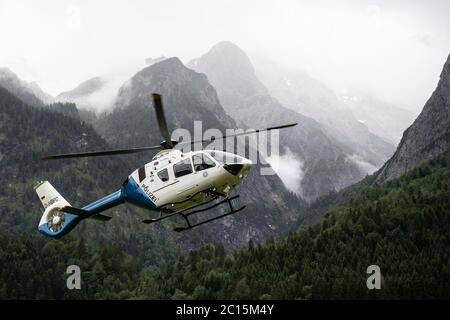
[(393, 49)]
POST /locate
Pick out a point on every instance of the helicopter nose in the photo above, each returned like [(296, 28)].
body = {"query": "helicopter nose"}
[(240, 168), (247, 162)]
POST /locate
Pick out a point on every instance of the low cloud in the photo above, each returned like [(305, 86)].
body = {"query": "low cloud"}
[(103, 99), (363, 165), (289, 167)]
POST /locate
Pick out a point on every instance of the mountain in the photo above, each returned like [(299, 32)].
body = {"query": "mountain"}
[(383, 119), (325, 163), (427, 137), (296, 90), (189, 97), (29, 92)]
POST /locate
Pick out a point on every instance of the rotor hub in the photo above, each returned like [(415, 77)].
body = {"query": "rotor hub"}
[(168, 145)]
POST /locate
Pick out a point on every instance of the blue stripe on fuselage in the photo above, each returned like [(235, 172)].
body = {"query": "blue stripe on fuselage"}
[(105, 203), (133, 193)]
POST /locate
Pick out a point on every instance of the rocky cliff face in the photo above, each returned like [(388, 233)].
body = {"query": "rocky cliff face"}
[(326, 163), (187, 97), (427, 137)]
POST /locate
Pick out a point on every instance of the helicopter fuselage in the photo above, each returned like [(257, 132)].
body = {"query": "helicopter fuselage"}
[(175, 181)]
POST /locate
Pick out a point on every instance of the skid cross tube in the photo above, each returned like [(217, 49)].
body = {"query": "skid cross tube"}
[(186, 215)]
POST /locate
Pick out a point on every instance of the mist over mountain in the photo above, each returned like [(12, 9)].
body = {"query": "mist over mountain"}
[(325, 164), (83, 89), (428, 136), (95, 95), (28, 92), (98, 94), (188, 97), (381, 118), (296, 90)]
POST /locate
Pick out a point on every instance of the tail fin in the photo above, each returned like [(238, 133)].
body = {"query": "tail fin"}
[(54, 222)]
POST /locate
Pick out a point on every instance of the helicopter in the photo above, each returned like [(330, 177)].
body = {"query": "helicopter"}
[(174, 183)]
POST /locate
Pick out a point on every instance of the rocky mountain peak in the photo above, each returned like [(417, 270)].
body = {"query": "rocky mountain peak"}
[(179, 86), (5, 72), (150, 61), (230, 71), (171, 68), (172, 62), (230, 55)]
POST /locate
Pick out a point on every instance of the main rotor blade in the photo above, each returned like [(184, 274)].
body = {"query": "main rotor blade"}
[(157, 102), (240, 134), (99, 153)]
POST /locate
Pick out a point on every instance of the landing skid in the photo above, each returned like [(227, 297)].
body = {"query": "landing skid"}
[(190, 226), (186, 215)]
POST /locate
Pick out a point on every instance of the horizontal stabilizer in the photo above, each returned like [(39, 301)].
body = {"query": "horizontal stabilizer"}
[(85, 214), (78, 212), (100, 217)]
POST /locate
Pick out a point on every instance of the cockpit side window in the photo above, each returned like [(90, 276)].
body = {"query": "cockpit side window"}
[(163, 175), (141, 174), (182, 168), (202, 161), (225, 157)]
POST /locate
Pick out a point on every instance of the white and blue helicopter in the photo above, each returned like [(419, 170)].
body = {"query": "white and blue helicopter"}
[(173, 183)]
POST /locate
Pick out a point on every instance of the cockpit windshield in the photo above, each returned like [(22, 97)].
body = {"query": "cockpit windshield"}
[(225, 157)]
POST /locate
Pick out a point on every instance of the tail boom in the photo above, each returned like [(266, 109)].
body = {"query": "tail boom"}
[(60, 217)]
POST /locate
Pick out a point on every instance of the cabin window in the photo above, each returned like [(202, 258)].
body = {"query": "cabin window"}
[(225, 157), (163, 175), (182, 168), (202, 161), (141, 174)]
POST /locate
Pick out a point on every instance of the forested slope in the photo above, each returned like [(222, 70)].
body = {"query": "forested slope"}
[(402, 226)]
